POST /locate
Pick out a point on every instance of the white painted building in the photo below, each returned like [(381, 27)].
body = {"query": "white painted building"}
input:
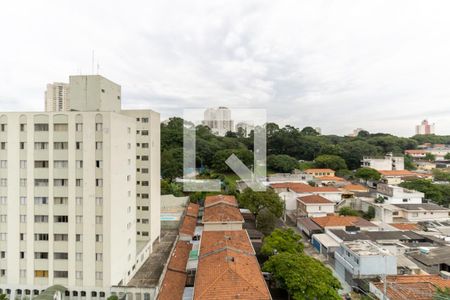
[(57, 97), (219, 120), (75, 187), (389, 162), (392, 194)]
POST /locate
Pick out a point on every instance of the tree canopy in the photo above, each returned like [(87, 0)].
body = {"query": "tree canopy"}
[(348, 211), (257, 201), (333, 162), (367, 174), (282, 240), (282, 163)]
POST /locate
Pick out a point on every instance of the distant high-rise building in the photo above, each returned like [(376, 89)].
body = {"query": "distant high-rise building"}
[(244, 128), (57, 97), (219, 120), (425, 128)]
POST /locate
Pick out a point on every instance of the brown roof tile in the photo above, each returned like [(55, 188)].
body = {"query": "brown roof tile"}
[(188, 225), (213, 200), (180, 256), (192, 210), (216, 240), (172, 287), (339, 221), (319, 171), (304, 188), (314, 199), (405, 226), (222, 213), (397, 173)]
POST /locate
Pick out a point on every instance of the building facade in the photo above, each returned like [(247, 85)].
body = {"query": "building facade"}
[(219, 120), (57, 97), (74, 194), (389, 162), (425, 128)]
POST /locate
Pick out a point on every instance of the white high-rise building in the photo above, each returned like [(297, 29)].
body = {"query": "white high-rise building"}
[(219, 120), (57, 97), (79, 193)]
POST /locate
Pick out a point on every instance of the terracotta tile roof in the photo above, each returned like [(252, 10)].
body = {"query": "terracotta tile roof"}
[(405, 226), (192, 210), (229, 275), (318, 171), (306, 188), (356, 187), (396, 173), (285, 185), (331, 178), (216, 240), (339, 221), (314, 199), (222, 213), (188, 225), (413, 287), (174, 281), (228, 199)]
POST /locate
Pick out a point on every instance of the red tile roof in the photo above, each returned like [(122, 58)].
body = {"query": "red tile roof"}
[(330, 178), (312, 170), (192, 210), (213, 241), (304, 188), (356, 187), (222, 213), (190, 219), (396, 173), (314, 199), (174, 281), (340, 221), (228, 199), (405, 226)]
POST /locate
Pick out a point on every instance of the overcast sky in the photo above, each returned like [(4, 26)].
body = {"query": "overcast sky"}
[(339, 65)]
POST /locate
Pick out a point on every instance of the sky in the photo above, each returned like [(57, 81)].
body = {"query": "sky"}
[(338, 65)]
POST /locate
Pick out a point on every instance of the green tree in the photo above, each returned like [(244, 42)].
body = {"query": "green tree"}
[(370, 214), (282, 240), (447, 156), (258, 201), (113, 297), (309, 131), (440, 175), (219, 165), (171, 188), (430, 157), (367, 174), (266, 222), (442, 294), (409, 163), (348, 211), (304, 277), (172, 163), (330, 161), (282, 163), (363, 134)]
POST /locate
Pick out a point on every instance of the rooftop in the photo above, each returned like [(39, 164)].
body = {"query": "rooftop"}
[(422, 206), (378, 235), (192, 210), (314, 199), (405, 226), (366, 248), (397, 173), (227, 199), (356, 188), (304, 188), (339, 221), (312, 170), (435, 256), (222, 213), (213, 241)]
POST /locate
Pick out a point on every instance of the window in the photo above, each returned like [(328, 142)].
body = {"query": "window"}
[(79, 200), (40, 200), (98, 145), (128, 177), (41, 219), (23, 218), (79, 275), (41, 164), (23, 164), (144, 171), (60, 164), (60, 127), (145, 221), (41, 255), (2, 254), (60, 274), (144, 132), (40, 127), (41, 182), (23, 182), (61, 219), (99, 201), (79, 219), (129, 146), (41, 236), (79, 182), (144, 157), (78, 145), (22, 236), (98, 257), (144, 145), (60, 200), (145, 208), (60, 182), (144, 120), (79, 237), (144, 233), (98, 220), (61, 237), (144, 196), (99, 275), (3, 182), (40, 145), (98, 126), (99, 238), (144, 183), (79, 127), (79, 164), (22, 255), (3, 127), (3, 200), (22, 145), (41, 273), (2, 218), (78, 256), (3, 164), (3, 236), (99, 164), (99, 182), (60, 145), (60, 255), (23, 200), (23, 127)]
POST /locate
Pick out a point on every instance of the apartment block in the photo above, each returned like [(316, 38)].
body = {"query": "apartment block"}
[(389, 162), (79, 193), (57, 97)]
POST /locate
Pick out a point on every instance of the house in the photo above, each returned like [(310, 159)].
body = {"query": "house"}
[(187, 228), (221, 213), (228, 268), (432, 260), (356, 188), (308, 227), (341, 222), (362, 259), (419, 153), (289, 192), (397, 195), (314, 206), (324, 244), (396, 176), (290, 177), (402, 287), (414, 213), (320, 172), (388, 162)]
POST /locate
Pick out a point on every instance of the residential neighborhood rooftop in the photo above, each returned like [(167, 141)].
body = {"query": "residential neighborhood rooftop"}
[(339, 221), (222, 213), (314, 199), (212, 200), (422, 206), (366, 248)]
